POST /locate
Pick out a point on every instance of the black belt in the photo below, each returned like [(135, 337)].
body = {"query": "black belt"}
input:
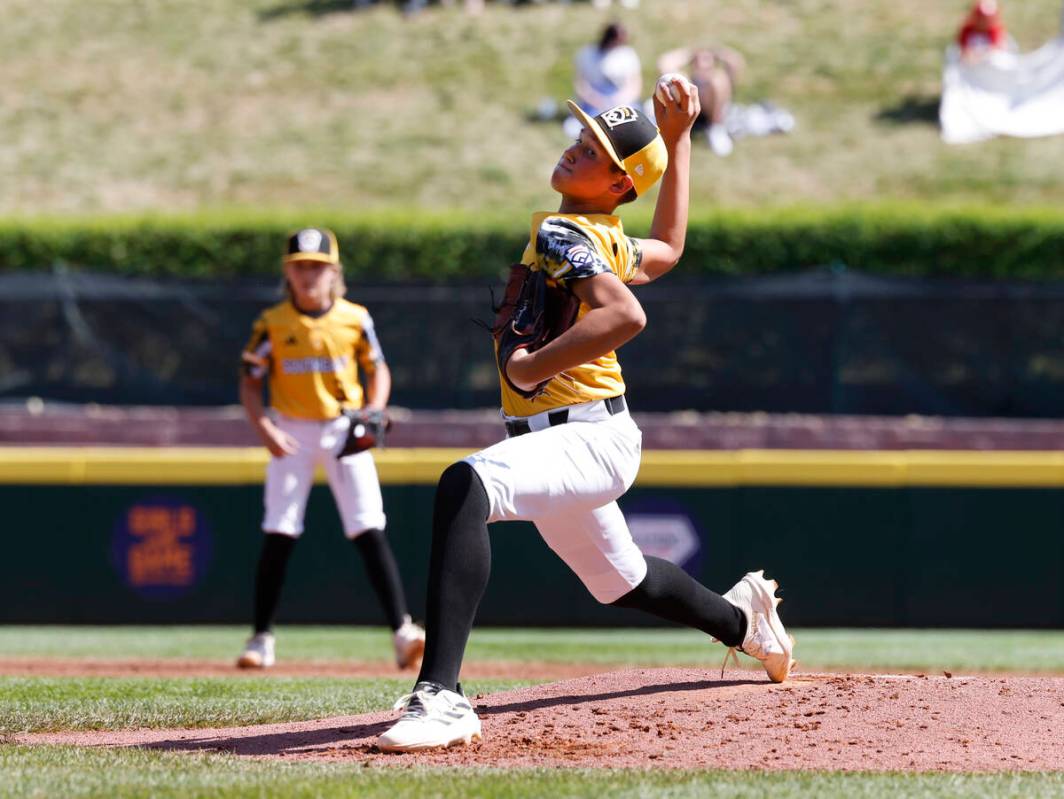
[(519, 427)]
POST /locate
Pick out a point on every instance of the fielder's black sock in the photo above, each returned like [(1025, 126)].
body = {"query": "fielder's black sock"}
[(458, 572), (273, 560), (383, 574), (671, 593)]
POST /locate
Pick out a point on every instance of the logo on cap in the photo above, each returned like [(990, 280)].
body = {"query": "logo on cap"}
[(631, 140), (309, 240), (620, 115)]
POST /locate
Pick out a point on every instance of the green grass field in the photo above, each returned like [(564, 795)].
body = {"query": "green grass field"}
[(881, 650), (71, 772), (299, 104), (55, 703), (47, 704)]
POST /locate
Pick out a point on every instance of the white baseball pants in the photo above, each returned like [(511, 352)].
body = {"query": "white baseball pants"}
[(353, 480), (566, 479)]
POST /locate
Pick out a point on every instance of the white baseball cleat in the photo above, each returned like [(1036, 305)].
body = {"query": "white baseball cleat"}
[(766, 639), (409, 641), (435, 718), (258, 652)]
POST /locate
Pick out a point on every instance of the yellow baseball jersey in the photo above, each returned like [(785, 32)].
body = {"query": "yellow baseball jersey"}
[(573, 247), (313, 361)]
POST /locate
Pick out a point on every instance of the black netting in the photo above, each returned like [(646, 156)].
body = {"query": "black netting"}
[(819, 342)]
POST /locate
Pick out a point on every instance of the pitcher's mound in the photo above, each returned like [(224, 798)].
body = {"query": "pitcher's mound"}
[(687, 718)]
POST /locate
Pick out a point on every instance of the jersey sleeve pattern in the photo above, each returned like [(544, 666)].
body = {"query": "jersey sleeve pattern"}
[(369, 351), (635, 258), (255, 359), (566, 252)]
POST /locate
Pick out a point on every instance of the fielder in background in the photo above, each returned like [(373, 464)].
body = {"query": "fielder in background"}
[(572, 448), (311, 347)]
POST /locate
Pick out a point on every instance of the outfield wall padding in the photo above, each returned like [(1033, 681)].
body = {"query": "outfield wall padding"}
[(861, 539)]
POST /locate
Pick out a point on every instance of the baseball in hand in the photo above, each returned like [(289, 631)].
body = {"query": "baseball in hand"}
[(667, 89)]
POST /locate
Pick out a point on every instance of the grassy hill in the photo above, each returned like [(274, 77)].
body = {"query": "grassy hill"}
[(166, 105)]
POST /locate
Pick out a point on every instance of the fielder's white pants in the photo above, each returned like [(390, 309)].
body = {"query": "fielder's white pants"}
[(353, 480), (566, 480)]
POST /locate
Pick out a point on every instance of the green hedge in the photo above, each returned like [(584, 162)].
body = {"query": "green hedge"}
[(896, 239)]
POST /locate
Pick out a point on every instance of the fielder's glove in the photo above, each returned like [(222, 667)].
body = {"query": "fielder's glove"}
[(533, 312), (366, 430)]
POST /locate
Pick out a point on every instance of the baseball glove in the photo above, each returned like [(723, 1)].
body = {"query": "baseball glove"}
[(366, 430), (533, 312)]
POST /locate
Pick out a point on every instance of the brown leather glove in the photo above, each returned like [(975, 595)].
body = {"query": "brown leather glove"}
[(367, 430), (533, 312)]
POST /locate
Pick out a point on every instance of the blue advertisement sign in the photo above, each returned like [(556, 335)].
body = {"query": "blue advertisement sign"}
[(666, 530), (161, 547)]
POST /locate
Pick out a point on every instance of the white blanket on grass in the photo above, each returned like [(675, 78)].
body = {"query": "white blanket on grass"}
[(1004, 94)]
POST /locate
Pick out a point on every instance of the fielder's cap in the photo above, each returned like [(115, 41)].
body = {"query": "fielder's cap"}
[(312, 244), (632, 141)]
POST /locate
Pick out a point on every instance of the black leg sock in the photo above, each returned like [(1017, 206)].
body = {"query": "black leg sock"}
[(383, 574), (273, 560), (671, 593), (458, 572)]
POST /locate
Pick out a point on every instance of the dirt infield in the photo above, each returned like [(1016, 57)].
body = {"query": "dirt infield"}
[(687, 718), (154, 667)]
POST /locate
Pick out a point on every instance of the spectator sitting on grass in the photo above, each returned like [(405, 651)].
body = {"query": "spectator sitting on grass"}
[(715, 71), (983, 31), (608, 74)]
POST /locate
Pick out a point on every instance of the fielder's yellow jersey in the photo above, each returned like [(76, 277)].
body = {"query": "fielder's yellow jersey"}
[(313, 361), (573, 247)]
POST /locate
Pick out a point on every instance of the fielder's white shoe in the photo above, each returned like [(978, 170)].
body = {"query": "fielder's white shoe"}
[(766, 639), (258, 652), (435, 718), (409, 642)]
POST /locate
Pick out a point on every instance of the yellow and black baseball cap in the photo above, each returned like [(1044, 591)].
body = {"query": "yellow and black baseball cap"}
[(312, 244), (632, 141)]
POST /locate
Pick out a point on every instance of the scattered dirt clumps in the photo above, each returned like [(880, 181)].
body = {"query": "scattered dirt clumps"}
[(688, 718)]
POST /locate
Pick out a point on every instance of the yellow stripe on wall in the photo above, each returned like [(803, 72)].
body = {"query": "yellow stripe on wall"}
[(678, 468)]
